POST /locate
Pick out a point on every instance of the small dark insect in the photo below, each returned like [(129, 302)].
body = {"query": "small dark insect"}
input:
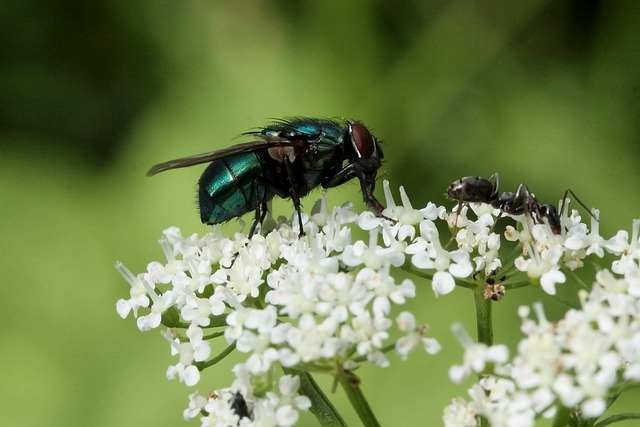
[(239, 405), (475, 189), (289, 158), (522, 202)]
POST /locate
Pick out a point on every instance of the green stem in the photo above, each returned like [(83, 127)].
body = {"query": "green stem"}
[(324, 411), (351, 385), (562, 417), (617, 418), (222, 355), (484, 324), (483, 316)]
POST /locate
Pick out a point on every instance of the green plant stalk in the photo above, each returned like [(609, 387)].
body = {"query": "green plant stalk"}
[(484, 320), (351, 385), (321, 407), (484, 325), (562, 417), (617, 418)]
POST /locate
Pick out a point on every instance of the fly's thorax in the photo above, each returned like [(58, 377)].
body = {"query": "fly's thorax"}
[(316, 163), (279, 153)]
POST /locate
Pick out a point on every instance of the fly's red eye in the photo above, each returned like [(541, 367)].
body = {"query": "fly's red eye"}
[(362, 140)]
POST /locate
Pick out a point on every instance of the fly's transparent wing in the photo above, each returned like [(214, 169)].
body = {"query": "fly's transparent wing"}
[(197, 159)]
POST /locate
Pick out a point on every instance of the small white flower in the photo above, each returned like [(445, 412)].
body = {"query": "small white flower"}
[(407, 217), (543, 266), (188, 374), (138, 293), (372, 255), (414, 336), (197, 402), (459, 414), (476, 355), (629, 250), (428, 253)]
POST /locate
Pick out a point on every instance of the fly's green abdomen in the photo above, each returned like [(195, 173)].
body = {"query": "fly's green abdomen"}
[(232, 186)]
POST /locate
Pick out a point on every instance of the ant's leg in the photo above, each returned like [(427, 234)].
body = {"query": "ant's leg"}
[(525, 204), (496, 221), (496, 178), (553, 219), (522, 201), (460, 205), (461, 197), (564, 198)]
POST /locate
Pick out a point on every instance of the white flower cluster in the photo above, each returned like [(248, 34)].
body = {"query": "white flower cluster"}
[(318, 303), (239, 406), (544, 254), (324, 302), (579, 362)]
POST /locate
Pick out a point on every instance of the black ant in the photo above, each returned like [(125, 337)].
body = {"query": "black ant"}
[(475, 189)]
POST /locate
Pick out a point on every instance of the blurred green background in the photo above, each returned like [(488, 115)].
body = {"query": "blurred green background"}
[(93, 93)]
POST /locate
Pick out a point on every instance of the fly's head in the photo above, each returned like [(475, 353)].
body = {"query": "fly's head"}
[(367, 158)]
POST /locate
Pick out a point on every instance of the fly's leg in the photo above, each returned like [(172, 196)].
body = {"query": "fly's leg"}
[(269, 188), (261, 205), (294, 192), (261, 213), (348, 173)]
